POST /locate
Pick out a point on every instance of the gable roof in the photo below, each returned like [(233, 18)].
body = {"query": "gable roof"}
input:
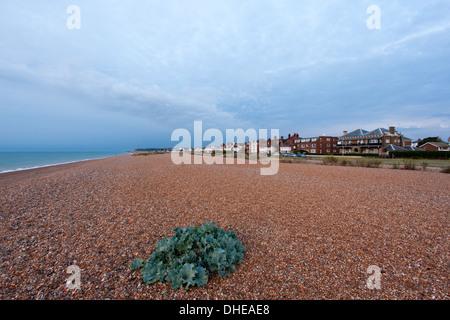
[(378, 131), (355, 133), (437, 144), (365, 133)]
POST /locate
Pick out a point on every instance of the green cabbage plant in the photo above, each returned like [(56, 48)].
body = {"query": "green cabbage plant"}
[(192, 256)]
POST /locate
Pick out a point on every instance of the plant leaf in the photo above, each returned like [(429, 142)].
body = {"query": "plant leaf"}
[(137, 264)]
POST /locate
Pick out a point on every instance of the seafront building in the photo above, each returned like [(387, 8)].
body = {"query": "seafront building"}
[(315, 145), (379, 141), (318, 145), (289, 144), (375, 141)]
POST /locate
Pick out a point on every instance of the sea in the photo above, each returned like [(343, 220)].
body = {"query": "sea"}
[(16, 161)]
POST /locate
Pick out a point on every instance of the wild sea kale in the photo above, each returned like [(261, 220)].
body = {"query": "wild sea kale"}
[(191, 256)]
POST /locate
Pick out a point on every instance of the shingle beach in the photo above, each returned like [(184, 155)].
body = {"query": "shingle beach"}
[(310, 231)]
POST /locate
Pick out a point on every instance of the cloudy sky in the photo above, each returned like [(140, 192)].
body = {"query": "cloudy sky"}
[(137, 70)]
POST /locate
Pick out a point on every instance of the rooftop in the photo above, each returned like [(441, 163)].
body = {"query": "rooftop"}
[(437, 144), (365, 133)]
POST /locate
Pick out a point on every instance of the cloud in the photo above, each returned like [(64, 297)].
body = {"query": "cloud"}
[(148, 102), (306, 66)]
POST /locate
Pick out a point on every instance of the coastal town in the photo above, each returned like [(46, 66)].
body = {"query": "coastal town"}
[(379, 142)]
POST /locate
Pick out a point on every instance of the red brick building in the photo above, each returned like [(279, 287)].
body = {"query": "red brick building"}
[(375, 141), (435, 146), (318, 145), (289, 145)]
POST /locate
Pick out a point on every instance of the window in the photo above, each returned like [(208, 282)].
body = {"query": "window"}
[(388, 140), (328, 139), (313, 150), (314, 145)]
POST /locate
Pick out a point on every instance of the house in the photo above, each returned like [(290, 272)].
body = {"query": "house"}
[(406, 142), (232, 147), (253, 146), (318, 145), (415, 143), (264, 146), (375, 141), (211, 149), (289, 144), (435, 146)]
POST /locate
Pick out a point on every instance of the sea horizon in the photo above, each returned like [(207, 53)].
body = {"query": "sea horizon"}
[(11, 161)]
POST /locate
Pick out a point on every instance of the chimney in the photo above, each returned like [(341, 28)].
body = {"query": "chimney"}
[(392, 130), (344, 132)]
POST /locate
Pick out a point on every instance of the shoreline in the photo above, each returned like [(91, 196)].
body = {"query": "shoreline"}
[(55, 164), (16, 176)]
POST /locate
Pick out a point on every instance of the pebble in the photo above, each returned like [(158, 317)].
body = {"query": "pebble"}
[(311, 231)]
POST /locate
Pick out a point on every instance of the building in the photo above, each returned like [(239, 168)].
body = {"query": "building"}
[(234, 147), (375, 141), (318, 145), (289, 144), (253, 146), (264, 146), (435, 146), (415, 143)]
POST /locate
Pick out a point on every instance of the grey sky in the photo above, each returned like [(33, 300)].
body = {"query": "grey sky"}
[(136, 70)]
